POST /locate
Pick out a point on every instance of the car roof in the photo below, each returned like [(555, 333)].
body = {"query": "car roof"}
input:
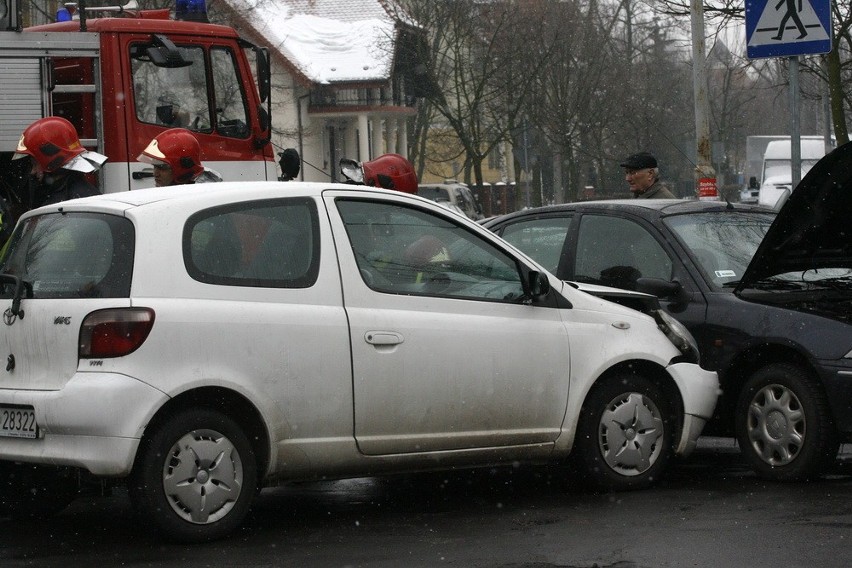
[(204, 195), (643, 207)]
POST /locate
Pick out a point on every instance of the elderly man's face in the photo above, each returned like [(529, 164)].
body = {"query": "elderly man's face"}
[(639, 180)]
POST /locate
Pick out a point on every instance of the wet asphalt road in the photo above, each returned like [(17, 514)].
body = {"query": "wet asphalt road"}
[(709, 511)]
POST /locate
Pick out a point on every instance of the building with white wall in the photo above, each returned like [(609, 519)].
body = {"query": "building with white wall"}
[(346, 75)]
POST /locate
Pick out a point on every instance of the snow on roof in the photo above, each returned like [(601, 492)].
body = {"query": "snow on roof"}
[(329, 41)]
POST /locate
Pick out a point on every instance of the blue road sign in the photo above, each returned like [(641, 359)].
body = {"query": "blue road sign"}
[(782, 28)]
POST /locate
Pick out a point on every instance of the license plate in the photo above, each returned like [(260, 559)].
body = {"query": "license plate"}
[(18, 422)]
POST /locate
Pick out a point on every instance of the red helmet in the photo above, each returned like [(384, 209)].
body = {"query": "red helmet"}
[(390, 171), (178, 149), (51, 141)]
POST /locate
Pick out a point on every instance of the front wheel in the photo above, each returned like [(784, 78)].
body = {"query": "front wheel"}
[(195, 476), (783, 424), (624, 435)]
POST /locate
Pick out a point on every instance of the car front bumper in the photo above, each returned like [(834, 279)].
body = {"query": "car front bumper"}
[(699, 390), (94, 422)]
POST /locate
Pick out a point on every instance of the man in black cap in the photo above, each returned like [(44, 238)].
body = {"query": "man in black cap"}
[(643, 177)]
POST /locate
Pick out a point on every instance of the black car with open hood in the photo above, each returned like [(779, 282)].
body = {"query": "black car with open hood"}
[(810, 242), (767, 296)]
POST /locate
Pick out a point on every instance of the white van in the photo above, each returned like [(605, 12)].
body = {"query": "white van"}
[(777, 170)]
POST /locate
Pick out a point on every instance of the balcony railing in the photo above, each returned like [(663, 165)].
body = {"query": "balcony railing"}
[(326, 97)]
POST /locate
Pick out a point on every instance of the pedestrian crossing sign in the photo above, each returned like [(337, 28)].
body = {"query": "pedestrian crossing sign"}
[(782, 28)]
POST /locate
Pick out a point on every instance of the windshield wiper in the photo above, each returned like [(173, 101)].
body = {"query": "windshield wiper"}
[(773, 283), (835, 283), (20, 285)]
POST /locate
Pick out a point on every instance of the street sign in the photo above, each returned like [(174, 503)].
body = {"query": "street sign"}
[(786, 28)]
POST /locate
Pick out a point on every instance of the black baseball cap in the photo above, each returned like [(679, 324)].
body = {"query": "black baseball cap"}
[(640, 161)]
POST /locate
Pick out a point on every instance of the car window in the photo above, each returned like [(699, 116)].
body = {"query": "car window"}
[(171, 96), (72, 255), (231, 111), (614, 251), (543, 238), (403, 250), (722, 245), (434, 193), (270, 243)]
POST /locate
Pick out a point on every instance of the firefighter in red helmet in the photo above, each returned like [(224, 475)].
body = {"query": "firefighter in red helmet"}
[(176, 157), (58, 162), (389, 171)]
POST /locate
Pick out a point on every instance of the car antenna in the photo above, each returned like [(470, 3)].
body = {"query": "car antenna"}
[(675, 146)]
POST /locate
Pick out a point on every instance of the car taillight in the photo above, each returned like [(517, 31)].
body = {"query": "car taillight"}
[(114, 332)]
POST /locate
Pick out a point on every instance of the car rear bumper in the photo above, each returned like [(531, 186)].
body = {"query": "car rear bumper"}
[(94, 422), (699, 390)]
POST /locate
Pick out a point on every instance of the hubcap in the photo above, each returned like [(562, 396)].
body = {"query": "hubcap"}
[(630, 435), (776, 425), (202, 478)]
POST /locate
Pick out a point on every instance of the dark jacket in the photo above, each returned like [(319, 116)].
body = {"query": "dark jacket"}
[(62, 187), (656, 191)]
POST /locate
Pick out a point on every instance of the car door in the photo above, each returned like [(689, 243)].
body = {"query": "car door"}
[(615, 250), (446, 354)]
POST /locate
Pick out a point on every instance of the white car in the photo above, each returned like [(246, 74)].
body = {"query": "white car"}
[(200, 342)]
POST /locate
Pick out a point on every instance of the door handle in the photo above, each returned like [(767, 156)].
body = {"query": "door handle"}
[(383, 338)]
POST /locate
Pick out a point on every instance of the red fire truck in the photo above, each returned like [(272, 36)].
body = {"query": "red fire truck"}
[(123, 75)]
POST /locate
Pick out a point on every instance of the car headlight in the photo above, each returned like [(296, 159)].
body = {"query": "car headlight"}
[(678, 335)]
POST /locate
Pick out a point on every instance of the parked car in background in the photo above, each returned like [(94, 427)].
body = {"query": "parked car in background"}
[(750, 193), (769, 300), (199, 342), (454, 193)]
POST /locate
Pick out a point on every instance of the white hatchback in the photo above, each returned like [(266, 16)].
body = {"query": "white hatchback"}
[(200, 342)]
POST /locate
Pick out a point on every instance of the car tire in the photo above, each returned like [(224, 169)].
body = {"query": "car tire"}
[(195, 476), (783, 424), (29, 491), (624, 435)]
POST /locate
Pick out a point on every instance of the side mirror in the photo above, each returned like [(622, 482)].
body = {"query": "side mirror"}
[(659, 287), (537, 284), (752, 183), (264, 74)]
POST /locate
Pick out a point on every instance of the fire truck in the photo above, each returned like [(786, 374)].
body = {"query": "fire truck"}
[(123, 75)]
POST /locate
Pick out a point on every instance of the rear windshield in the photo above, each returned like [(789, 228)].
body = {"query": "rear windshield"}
[(70, 255), (434, 193)]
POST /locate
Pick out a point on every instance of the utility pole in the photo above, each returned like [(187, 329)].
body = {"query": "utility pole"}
[(705, 175)]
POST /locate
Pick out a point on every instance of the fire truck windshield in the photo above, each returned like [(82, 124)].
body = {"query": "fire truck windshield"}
[(178, 96)]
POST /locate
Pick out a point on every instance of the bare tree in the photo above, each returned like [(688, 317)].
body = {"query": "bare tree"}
[(476, 47)]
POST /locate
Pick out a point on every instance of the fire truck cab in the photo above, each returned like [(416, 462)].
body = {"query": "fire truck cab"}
[(126, 76)]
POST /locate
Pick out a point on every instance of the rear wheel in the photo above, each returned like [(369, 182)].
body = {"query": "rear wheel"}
[(625, 433), (195, 476), (783, 424)]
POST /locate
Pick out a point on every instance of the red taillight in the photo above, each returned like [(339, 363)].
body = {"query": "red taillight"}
[(114, 332)]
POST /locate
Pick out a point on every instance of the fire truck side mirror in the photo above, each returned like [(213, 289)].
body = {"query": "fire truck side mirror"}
[(164, 53), (264, 81)]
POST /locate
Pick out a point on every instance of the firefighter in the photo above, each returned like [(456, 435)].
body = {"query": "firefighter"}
[(388, 171), (59, 162), (176, 157)]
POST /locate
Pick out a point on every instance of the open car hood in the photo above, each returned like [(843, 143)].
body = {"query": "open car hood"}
[(813, 229)]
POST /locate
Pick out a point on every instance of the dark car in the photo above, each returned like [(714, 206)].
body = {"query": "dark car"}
[(768, 298)]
